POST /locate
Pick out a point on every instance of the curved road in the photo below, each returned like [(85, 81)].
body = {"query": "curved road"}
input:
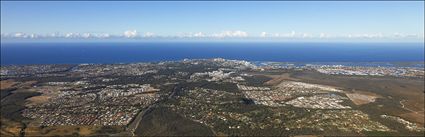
[(135, 123)]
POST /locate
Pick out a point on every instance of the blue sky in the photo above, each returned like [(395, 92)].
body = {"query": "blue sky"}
[(310, 20)]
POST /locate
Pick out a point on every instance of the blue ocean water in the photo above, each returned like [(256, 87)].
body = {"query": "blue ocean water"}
[(75, 53)]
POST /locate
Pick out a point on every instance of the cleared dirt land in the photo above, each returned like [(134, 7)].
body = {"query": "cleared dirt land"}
[(5, 84), (360, 98)]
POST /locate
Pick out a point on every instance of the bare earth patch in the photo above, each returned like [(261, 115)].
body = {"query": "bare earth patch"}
[(361, 98), (9, 128), (4, 84), (27, 84), (47, 93), (37, 100), (277, 79), (417, 117), (61, 130)]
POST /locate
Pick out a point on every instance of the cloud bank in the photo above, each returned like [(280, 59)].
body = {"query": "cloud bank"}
[(130, 33), (238, 34)]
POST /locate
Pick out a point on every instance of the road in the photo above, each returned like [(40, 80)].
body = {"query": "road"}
[(135, 123)]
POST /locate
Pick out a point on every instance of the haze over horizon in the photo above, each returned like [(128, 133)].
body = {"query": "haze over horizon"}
[(213, 21)]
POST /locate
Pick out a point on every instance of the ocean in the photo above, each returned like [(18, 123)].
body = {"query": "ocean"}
[(77, 53)]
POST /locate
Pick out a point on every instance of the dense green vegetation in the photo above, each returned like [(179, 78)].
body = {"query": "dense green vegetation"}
[(163, 122), (14, 103)]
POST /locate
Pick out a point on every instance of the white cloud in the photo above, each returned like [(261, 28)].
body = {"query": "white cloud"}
[(368, 36), (268, 35), (19, 34), (86, 35), (104, 35), (404, 35), (292, 34), (69, 35), (382, 36), (33, 36), (307, 35), (225, 34), (130, 33), (83, 35), (193, 35), (199, 34), (263, 34), (149, 34), (53, 35), (323, 35)]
